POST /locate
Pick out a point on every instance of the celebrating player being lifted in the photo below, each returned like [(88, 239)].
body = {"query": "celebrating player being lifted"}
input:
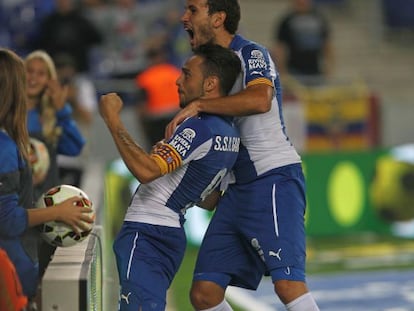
[(178, 173), (258, 227)]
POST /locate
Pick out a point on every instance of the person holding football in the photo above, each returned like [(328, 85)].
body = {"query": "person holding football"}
[(17, 215), (50, 120)]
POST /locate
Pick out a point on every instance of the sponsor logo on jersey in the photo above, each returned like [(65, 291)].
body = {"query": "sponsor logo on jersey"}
[(180, 145), (188, 134), (227, 143), (256, 60), (182, 141), (256, 54)]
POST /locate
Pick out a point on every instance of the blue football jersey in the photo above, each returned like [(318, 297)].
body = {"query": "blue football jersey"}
[(201, 152), (264, 142)]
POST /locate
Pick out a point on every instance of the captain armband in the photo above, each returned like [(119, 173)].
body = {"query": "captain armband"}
[(167, 158)]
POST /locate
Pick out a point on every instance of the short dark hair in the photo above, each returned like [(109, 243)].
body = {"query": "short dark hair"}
[(220, 62), (232, 10)]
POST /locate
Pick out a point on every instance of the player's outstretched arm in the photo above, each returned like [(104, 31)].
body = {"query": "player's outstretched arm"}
[(138, 161)]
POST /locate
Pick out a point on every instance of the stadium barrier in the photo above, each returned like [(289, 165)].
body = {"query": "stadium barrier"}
[(73, 280)]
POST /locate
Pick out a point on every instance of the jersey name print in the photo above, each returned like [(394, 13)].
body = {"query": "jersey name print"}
[(183, 140), (227, 143)]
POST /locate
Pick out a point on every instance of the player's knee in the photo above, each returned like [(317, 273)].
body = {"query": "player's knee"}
[(205, 295), (288, 291)]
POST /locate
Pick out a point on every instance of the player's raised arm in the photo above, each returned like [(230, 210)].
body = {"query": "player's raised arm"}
[(138, 161)]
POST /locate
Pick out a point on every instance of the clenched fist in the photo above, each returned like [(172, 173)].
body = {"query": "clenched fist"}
[(110, 105)]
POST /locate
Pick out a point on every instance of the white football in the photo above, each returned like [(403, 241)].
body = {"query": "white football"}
[(57, 233)]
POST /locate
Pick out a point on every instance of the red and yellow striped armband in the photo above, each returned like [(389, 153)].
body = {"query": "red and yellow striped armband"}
[(167, 158)]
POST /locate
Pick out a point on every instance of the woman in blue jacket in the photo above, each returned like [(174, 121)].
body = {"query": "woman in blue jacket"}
[(17, 215), (49, 116), (49, 120)]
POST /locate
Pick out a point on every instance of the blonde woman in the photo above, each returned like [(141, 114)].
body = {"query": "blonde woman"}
[(49, 115), (49, 119), (17, 217)]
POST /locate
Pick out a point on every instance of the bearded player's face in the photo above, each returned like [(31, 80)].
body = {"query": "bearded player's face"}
[(198, 23), (190, 82)]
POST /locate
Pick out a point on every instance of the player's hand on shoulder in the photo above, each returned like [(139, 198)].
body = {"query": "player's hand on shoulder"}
[(191, 110)]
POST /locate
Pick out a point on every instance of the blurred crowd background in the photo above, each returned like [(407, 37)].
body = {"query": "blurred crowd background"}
[(106, 38), (111, 41)]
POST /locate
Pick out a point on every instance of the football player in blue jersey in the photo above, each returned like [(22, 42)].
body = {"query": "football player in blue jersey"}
[(258, 227), (17, 215), (178, 173)]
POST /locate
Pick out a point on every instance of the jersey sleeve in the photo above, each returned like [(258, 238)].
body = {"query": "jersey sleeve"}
[(13, 217), (256, 60), (191, 141)]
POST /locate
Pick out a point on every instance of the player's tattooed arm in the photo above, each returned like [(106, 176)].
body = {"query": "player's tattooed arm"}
[(138, 161), (127, 140)]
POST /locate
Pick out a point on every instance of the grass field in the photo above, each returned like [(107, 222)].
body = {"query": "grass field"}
[(325, 255)]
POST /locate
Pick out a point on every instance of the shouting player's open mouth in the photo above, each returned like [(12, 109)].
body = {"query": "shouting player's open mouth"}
[(199, 34), (191, 35)]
